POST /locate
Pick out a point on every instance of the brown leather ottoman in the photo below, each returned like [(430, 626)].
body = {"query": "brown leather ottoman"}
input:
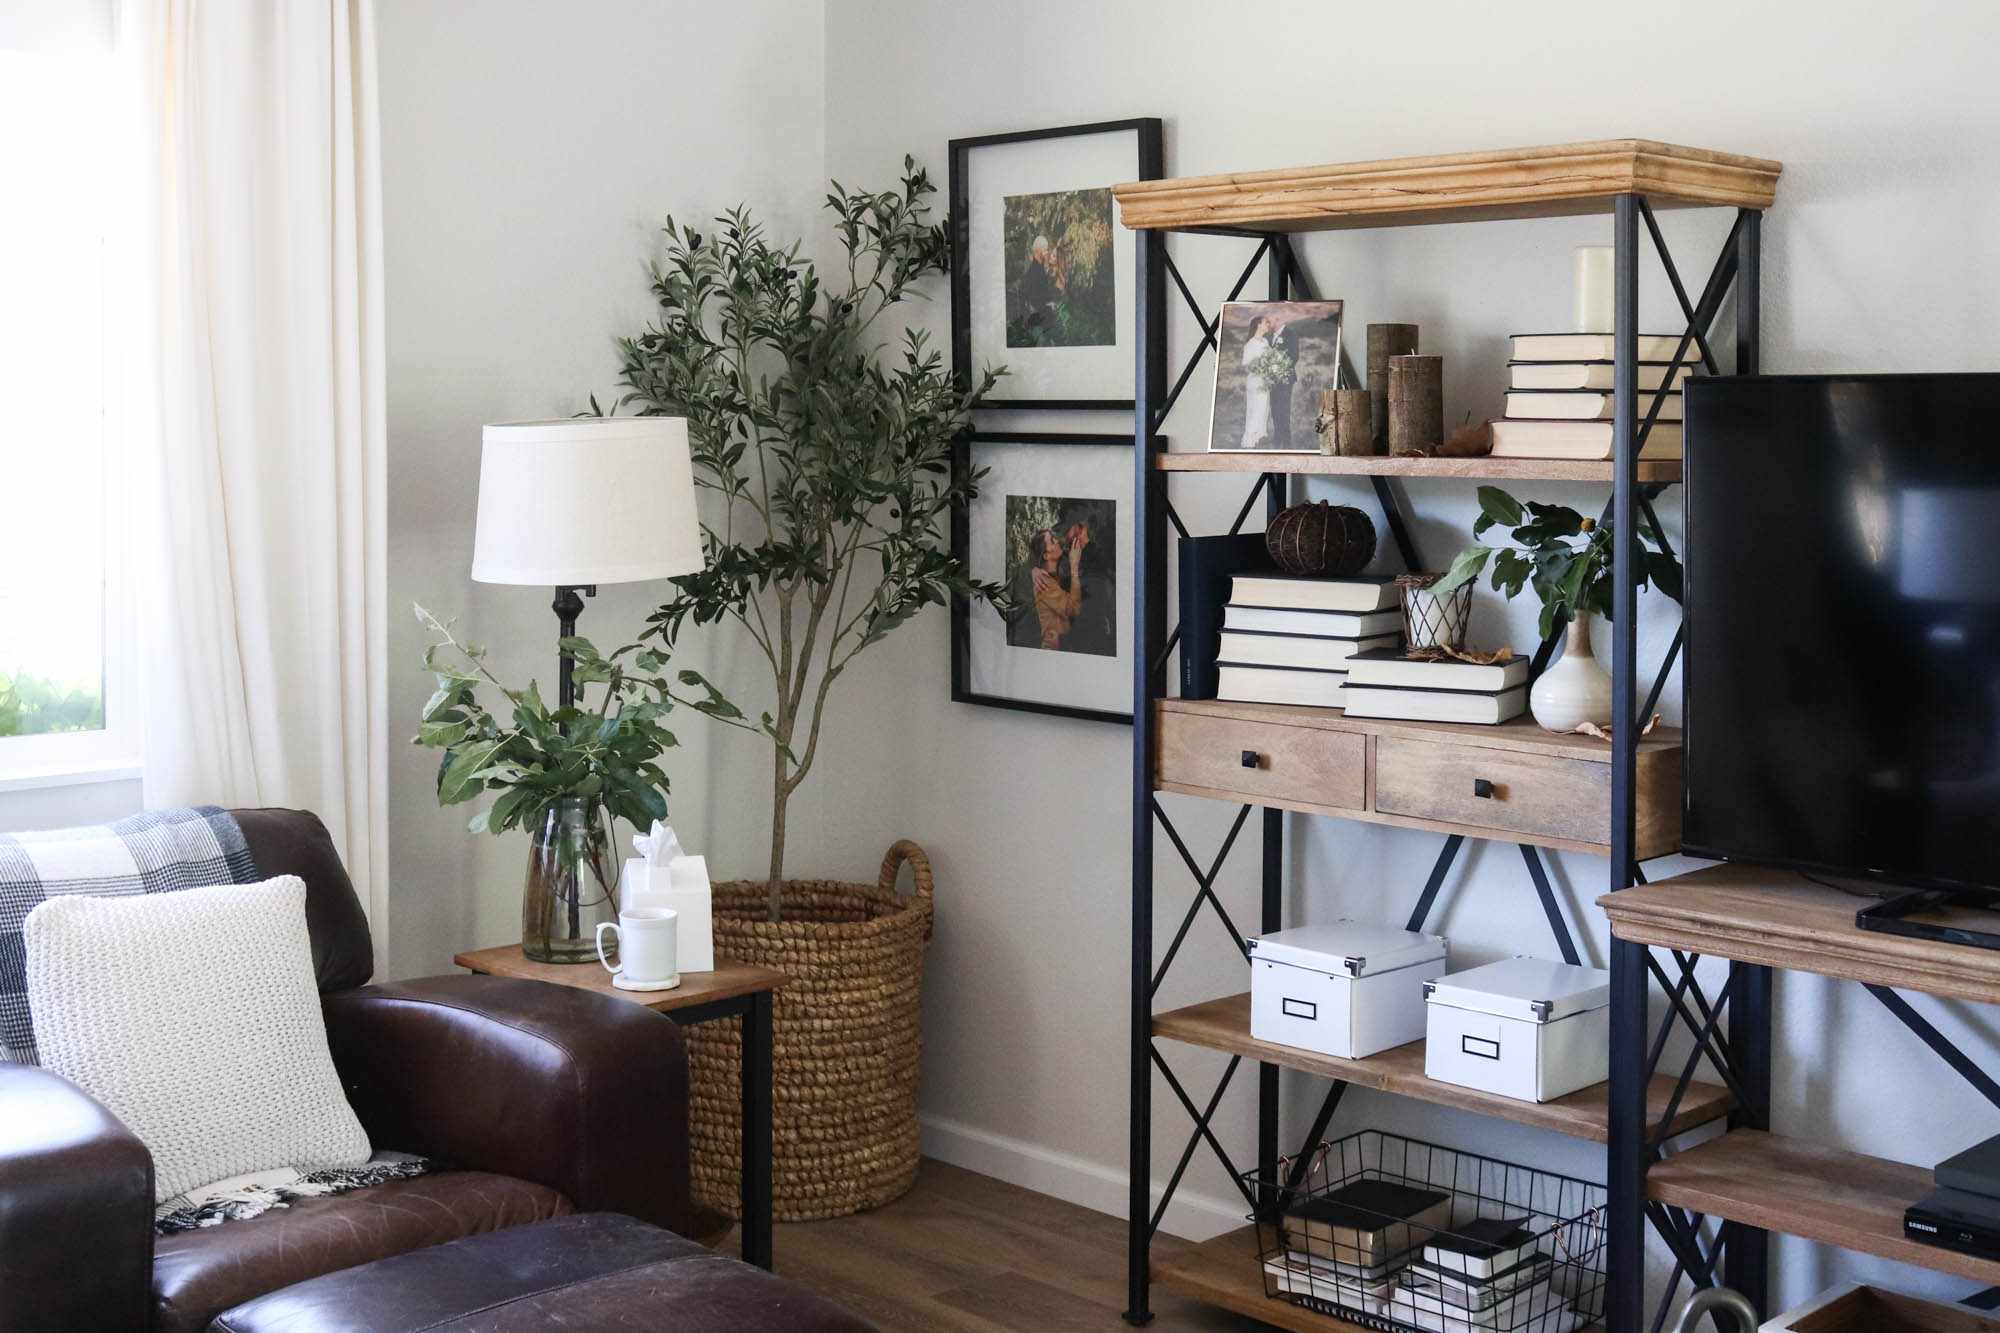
[(585, 1272)]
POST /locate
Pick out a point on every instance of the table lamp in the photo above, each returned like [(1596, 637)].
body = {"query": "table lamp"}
[(583, 501)]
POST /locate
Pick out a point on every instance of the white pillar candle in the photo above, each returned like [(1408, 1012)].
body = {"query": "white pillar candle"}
[(1593, 292)]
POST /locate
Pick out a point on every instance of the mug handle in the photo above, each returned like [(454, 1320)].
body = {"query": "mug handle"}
[(603, 926)]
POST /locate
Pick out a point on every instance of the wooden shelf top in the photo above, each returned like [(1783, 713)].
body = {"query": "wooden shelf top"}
[(1494, 469), (1552, 181), (1224, 1025), (1226, 1271), (729, 980), (1520, 735), (1781, 919), (1805, 1189)]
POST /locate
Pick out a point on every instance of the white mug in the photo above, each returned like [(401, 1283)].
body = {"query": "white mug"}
[(648, 945)]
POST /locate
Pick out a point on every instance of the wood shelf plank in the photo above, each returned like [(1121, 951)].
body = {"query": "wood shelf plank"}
[(1224, 1025), (1805, 1189), (1781, 919), (1484, 469), (1556, 180), (1226, 1272)]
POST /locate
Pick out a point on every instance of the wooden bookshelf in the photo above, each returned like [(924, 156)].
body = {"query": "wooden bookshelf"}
[(1781, 919), (1805, 1189), (1476, 469), (1224, 1025), (1553, 181), (1548, 790), (1225, 1271)]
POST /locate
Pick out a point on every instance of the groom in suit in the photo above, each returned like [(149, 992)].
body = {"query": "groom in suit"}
[(1281, 392)]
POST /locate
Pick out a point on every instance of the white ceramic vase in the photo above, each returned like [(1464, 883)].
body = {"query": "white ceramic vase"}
[(1575, 688)]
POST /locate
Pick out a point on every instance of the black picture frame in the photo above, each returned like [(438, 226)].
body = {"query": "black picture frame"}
[(961, 546), (1149, 139)]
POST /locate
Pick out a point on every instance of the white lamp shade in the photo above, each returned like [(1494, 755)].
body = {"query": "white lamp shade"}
[(586, 500)]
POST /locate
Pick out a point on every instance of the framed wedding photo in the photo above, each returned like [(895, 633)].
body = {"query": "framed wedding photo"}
[(1043, 277), (1049, 523), (1272, 360)]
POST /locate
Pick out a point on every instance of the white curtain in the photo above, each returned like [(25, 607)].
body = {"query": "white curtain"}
[(263, 596)]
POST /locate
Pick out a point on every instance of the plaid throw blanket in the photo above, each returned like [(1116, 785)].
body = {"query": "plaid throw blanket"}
[(155, 852)]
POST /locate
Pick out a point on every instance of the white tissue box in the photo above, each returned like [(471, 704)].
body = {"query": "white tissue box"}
[(1343, 989), (685, 892)]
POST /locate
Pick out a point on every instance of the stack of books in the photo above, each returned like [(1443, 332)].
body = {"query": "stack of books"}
[(1559, 400), (1488, 1274), (1389, 685), (1347, 1246), (1287, 638)]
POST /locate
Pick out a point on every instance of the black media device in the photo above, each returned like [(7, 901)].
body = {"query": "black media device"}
[(1843, 649), (1956, 1220)]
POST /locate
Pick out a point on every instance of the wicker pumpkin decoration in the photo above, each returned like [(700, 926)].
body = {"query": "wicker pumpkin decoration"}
[(1321, 538)]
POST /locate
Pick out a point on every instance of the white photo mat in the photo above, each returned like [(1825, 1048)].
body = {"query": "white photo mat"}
[(996, 172), (1003, 670)]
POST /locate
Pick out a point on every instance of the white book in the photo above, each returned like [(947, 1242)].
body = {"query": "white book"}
[(1279, 685), (1482, 1293), (1538, 1309), (1587, 374), (1265, 648), (1590, 346), (1390, 667), (1520, 437), (1309, 592), (1322, 624), (1584, 405), (1293, 1276), (1408, 705)]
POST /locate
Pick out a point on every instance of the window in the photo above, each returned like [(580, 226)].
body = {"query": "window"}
[(67, 679)]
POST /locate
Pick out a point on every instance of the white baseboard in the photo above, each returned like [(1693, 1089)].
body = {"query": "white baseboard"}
[(1071, 1179)]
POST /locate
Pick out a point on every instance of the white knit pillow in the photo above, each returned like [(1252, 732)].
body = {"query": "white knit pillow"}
[(194, 1016)]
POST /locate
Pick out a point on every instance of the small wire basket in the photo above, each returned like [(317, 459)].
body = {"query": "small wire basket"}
[(1473, 1244), (1431, 620)]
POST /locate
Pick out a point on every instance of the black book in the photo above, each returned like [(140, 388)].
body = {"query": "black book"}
[(1208, 565)]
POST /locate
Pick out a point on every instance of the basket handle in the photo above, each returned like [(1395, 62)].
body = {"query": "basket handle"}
[(920, 872)]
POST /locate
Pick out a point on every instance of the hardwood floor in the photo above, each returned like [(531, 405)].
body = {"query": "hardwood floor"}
[(964, 1253)]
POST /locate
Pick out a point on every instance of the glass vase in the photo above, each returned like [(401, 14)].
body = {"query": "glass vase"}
[(570, 885)]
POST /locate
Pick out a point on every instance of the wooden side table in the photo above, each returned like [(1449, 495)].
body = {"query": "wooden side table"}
[(731, 989)]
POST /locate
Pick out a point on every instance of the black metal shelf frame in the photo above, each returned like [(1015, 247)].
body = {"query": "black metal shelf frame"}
[(1740, 1049)]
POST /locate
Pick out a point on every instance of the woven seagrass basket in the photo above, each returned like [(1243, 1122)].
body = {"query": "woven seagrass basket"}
[(847, 1042)]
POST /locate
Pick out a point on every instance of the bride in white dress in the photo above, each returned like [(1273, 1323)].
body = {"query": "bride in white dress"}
[(1256, 393)]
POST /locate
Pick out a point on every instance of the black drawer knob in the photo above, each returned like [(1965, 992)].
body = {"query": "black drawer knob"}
[(1251, 759), (1482, 788)]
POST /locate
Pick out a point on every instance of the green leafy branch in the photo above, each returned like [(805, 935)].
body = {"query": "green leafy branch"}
[(1564, 556), (606, 755)]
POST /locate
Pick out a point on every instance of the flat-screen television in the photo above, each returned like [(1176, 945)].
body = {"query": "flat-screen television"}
[(1842, 704)]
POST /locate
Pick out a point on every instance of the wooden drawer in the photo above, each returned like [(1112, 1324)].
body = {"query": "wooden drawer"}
[(1536, 794), (1301, 767)]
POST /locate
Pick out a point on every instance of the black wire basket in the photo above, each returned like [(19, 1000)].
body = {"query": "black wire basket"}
[(1396, 1234)]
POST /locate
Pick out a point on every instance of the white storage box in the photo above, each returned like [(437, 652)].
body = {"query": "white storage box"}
[(1525, 1028), (1343, 989)]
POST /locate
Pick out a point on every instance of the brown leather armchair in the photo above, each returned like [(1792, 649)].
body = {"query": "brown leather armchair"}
[(544, 1100)]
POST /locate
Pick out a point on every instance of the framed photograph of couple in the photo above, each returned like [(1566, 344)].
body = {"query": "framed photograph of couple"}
[(1272, 360), (1043, 278), (1049, 525)]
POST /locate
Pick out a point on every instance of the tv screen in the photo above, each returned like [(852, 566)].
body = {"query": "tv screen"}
[(1842, 708)]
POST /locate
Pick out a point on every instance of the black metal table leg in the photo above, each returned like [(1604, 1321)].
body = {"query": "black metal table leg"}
[(756, 1074)]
